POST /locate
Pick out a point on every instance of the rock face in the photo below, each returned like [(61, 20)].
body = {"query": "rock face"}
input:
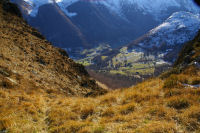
[(28, 60), (190, 54), (82, 23)]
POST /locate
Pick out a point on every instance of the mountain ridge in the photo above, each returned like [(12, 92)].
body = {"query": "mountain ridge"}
[(115, 5), (114, 22)]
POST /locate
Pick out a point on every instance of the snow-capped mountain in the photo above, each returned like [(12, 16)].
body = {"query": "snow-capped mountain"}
[(81, 23), (158, 48), (168, 38), (176, 30), (155, 7)]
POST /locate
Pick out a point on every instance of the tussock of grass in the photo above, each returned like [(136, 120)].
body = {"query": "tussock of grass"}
[(159, 127), (146, 107), (5, 123), (109, 112), (178, 103), (126, 109), (86, 111), (191, 118), (172, 82)]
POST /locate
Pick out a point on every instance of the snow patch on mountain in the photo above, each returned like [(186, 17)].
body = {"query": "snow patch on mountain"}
[(146, 6), (177, 29), (154, 7), (164, 40), (63, 4), (35, 4)]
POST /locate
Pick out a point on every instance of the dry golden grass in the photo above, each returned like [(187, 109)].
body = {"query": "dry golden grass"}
[(32, 99), (27, 54), (143, 108), (148, 107)]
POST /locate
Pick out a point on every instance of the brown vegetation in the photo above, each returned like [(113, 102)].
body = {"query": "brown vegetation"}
[(31, 99), (115, 81), (147, 107), (25, 52)]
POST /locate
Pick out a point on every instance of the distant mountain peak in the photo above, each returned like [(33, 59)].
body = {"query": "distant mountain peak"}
[(155, 7), (178, 20), (179, 28), (69, 23)]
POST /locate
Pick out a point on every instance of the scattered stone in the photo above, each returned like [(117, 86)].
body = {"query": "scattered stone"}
[(4, 73), (8, 83), (15, 72), (14, 82), (34, 72), (192, 86), (197, 64)]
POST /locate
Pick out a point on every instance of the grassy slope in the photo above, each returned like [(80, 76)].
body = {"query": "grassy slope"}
[(25, 52), (159, 105), (152, 106)]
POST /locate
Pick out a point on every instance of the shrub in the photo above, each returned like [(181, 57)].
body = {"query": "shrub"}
[(85, 112), (60, 115), (195, 82), (171, 82), (169, 73), (193, 112), (4, 72), (11, 8), (173, 92), (84, 130), (192, 125), (126, 109), (99, 129), (6, 83), (157, 111), (191, 118), (5, 124), (108, 99), (50, 91), (109, 112), (178, 103), (120, 119), (159, 127), (70, 127)]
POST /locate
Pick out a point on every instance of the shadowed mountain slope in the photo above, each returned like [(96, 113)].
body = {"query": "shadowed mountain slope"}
[(82, 23)]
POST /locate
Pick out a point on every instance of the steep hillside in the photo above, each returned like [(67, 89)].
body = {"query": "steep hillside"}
[(26, 54), (190, 53)]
